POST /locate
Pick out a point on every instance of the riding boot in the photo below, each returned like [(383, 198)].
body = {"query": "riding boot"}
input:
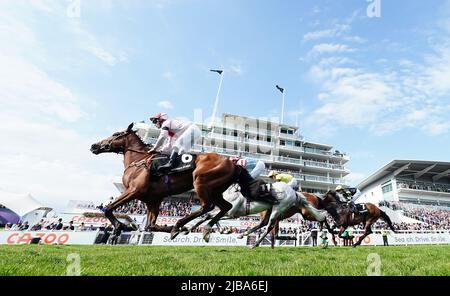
[(170, 164)]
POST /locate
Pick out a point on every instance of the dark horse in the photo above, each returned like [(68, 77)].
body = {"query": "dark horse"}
[(344, 217), (306, 214), (212, 175)]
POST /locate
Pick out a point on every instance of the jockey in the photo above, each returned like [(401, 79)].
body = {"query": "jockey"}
[(286, 178), (253, 166), (348, 195), (179, 136)]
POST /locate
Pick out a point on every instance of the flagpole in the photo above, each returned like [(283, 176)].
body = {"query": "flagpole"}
[(216, 103), (282, 105)]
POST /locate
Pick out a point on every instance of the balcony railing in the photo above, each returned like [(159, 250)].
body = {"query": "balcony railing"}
[(321, 179), (288, 159), (292, 147), (259, 142)]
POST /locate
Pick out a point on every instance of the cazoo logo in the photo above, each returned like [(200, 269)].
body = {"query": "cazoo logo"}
[(46, 238)]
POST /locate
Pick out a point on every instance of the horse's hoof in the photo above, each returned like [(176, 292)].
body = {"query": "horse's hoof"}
[(241, 236), (354, 245), (174, 233), (252, 247), (206, 236)]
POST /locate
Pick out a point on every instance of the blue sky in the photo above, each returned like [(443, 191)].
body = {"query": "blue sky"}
[(377, 88)]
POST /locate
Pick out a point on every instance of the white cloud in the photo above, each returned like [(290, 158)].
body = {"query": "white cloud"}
[(336, 31), (329, 48), (41, 153), (165, 104), (385, 101), (102, 54), (90, 43), (30, 91)]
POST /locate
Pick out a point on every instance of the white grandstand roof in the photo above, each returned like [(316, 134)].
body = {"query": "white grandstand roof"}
[(420, 168), (21, 204)]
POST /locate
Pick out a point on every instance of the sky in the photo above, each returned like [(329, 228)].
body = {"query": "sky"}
[(374, 83)]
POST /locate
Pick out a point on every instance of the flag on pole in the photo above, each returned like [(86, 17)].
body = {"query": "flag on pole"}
[(217, 71), (280, 88)]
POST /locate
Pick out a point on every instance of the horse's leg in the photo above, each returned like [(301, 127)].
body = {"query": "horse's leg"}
[(272, 221), (176, 229), (341, 230), (329, 230), (128, 195), (259, 226), (274, 234), (224, 207), (200, 222), (152, 216), (368, 231)]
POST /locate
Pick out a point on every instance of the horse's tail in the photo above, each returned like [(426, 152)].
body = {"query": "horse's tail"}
[(386, 218)]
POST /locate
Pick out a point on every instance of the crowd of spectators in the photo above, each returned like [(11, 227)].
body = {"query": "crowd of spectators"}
[(433, 217), (172, 208), (49, 226), (424, 186)]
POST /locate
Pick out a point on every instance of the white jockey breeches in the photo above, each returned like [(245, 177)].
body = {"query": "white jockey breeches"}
[(183, 142), (259, 168), (293, 183)]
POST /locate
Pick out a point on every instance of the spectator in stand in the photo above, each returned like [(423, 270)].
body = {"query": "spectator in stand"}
[(81, 227), (24, 226), (59, 225)]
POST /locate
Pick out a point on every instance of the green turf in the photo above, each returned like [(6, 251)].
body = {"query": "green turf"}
[(152, 260)]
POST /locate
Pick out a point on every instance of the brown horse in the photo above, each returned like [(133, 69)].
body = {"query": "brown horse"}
[(210, 177), (306, 214), (344, 217)]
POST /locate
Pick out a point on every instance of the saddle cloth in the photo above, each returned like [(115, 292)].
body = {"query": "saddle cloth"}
[(258, 190), (361, 207), (184, 162)]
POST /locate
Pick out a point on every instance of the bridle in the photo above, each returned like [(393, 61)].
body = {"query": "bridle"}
[(116, 136)]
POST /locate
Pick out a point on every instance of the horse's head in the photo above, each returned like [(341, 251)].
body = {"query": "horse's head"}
[(117, 143), (329, 197)]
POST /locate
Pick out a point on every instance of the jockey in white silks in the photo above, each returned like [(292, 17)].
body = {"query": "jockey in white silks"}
[(253, 166), (176, 137)]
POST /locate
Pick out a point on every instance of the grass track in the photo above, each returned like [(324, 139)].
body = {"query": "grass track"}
[(153, 260)]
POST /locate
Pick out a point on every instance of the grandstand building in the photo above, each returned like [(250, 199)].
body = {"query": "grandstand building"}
[(409, 181), (316, 166)]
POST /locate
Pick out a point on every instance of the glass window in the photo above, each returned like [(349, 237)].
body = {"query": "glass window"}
[(387, 188)]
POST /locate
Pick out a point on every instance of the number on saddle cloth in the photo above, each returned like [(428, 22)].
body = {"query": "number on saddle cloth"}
[(361, 208), (258, 190), (184, 162)]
